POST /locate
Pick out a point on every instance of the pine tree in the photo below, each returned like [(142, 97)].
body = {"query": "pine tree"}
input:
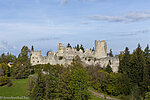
[(68, 45), (81, 47), (124, 62), (79, 85), (23, 60), (93, 49), (108, 67), (52, 80), (38, 91), (146, 76), (79, 80), (64, 85), (32, 48), (110, 53), (137, 64), (78, 48)]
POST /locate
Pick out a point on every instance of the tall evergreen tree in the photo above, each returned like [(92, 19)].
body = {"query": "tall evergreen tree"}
[(52, 79), (32, 48), (78, 48), (68, 45), (81, 47), (79, 80), (146, 76), (110, 53), (38, 91), (137, 64), (93, 49), (64, 89), (108, 67), (23, 64), (124, 62)]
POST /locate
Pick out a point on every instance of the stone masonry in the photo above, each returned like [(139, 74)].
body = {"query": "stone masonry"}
[(65, 56)]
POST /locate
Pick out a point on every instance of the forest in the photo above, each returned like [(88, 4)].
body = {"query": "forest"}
[(72, 82)]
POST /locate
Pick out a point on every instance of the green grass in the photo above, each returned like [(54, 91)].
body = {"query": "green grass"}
[(19, 88), (93, 97)]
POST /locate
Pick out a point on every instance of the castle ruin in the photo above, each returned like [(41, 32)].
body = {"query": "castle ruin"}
[(65, 56)]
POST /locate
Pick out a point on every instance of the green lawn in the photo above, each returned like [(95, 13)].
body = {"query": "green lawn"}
[(19, 88)]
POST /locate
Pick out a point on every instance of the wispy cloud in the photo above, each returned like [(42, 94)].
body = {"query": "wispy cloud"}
[(47, 39), (6, 47), (64, 1), (129, 17), (136, 33)]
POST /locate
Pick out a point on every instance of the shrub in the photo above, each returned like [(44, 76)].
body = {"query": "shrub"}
[(4, 80), (9, 84)]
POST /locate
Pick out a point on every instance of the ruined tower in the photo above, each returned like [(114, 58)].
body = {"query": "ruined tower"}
[(61, 48), (100, 49)]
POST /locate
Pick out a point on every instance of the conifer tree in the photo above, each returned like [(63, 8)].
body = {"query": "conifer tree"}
[(110, 53), (52, 81), (64, 85), (93, 49), (38, 91), (79, 80), (78, 48), (108, 67), (124, 62), (137, 64), (68, 45), (32, 48), (146, 76), (81, 47)]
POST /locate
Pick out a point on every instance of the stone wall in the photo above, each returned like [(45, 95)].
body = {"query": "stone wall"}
[(66, 55)]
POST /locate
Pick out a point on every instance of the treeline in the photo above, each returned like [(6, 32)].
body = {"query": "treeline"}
[(136, 66), (132, 82), (59, 82), (12, 67)]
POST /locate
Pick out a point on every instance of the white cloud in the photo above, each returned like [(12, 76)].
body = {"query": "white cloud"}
[(129, 17), (6, 47), (64, 1)]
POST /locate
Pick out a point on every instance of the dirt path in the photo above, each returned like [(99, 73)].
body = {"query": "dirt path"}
[(101, 95)]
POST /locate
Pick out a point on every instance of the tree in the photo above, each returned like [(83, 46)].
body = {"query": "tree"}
[(68, 45), (78, 48), (93, 49), (32, 48), (38, 91), (79, 85), (147, 96), (52, 80), (137, 64), (81, 47), (146, 70), (124, 62), (79, 80), (64, 84), (110, 53), (21, 67), (108, 67)]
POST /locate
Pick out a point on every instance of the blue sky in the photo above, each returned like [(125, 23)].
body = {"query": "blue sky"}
[(45, 23)]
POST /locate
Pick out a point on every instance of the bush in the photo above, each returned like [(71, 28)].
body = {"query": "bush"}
[(4, 80), (9, 84)]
